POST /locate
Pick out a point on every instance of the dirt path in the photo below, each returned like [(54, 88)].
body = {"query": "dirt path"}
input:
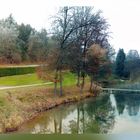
[(13, 87), (16, 66)]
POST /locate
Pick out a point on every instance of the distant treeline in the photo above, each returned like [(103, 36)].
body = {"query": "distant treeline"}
[(127, 65), (22, 43)]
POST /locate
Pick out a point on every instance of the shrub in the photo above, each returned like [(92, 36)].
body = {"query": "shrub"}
[(16, 71)]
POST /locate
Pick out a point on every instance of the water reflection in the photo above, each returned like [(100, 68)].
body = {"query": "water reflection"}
[(128, 101), (111, 113)]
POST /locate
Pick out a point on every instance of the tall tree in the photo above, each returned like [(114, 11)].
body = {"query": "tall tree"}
[(120, 63), (62, 29), (65, 25), (95, 32), (132, 64), (132, 55)]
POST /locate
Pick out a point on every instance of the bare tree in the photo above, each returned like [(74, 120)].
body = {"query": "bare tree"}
[(77, 24), (65, 25), (94, 31)]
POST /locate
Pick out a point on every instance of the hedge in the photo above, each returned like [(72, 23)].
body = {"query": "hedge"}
[(16, 71)]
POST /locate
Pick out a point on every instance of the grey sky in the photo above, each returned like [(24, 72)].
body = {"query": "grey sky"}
[(122, 15), (124, 18)]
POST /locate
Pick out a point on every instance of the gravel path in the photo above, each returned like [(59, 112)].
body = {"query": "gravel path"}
[(14, 87)]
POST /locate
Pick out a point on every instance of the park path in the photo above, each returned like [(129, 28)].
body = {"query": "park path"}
[(23, 86), (16, 66)]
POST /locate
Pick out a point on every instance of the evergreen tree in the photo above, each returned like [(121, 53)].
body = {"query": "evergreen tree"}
[(120, 62), (24, 34)]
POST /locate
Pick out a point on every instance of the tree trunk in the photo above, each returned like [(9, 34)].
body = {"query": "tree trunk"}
[(91, 84), (61, 89), (55, 82), (83, 83), (78, 79), (60, 126), (83, 114), (55, 126), (55, 88), (78, 119), (84, 67)]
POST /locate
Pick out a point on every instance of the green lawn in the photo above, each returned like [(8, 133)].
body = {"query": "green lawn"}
[(69, 79), (27, 79), (18, 80)]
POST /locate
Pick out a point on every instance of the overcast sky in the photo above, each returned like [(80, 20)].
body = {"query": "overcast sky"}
[(122, 15)]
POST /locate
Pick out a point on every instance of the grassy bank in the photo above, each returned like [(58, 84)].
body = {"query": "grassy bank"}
[(21, 105)]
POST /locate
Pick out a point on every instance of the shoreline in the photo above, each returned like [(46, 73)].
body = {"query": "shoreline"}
[(47, 108), (51, 106), (30, 105)]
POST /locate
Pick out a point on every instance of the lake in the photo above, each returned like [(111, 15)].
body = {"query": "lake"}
[(112, 113)]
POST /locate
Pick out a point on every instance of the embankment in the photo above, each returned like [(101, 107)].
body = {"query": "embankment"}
[(21, 105)]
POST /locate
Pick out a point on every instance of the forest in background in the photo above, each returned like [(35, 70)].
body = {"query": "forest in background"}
[(21, 43)]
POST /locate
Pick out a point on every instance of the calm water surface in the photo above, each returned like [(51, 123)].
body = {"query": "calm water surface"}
[(117, 112)]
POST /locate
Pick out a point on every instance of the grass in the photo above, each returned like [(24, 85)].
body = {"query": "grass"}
[(18, 80), (28, 79), (69, 79)]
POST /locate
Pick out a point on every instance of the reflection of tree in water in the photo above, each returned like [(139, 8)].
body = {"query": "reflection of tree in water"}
[(74, 125), (51, 121), (120, 102), (94, 116), (133, 104), (88, 116), (130, 100)]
